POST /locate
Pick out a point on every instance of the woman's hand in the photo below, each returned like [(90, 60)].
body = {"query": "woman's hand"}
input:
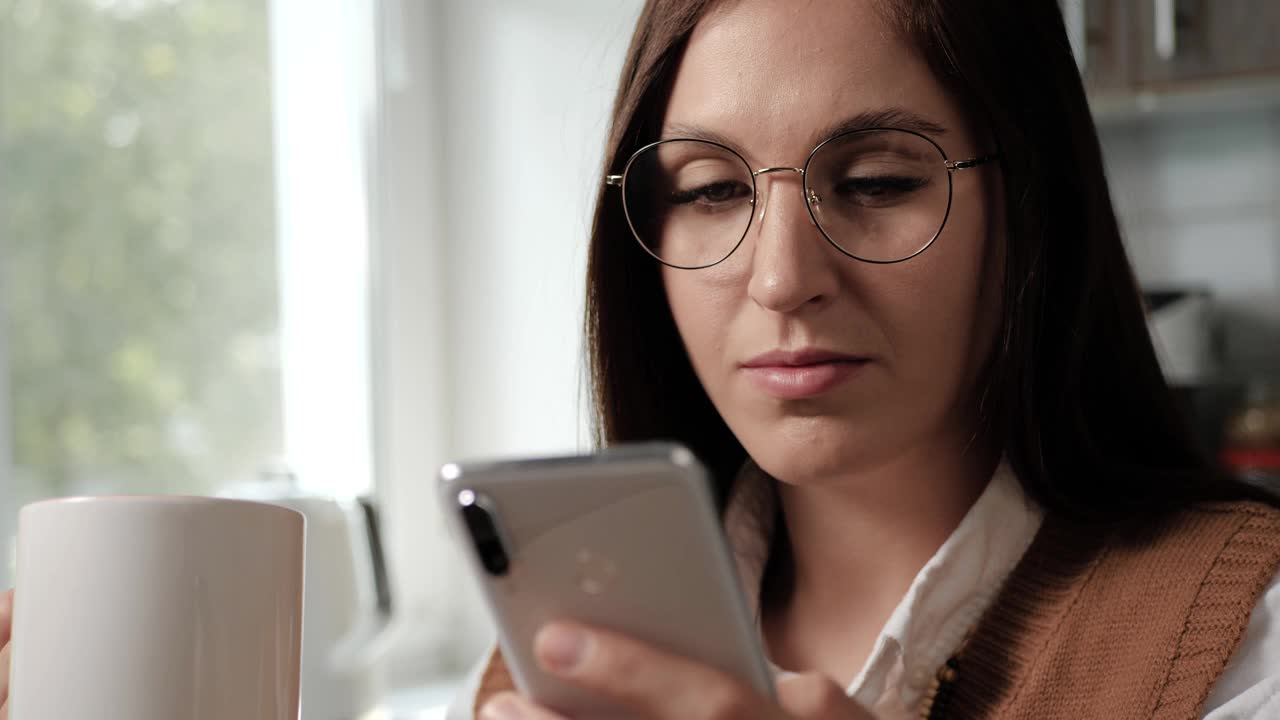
[(659, 686), (6, 624)]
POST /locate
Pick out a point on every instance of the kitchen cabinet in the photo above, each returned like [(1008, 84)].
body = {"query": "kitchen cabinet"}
[(1137, 55), (1101, 36), (1182, 41)]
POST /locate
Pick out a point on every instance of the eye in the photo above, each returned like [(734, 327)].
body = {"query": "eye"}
[(878, 190), (713, 194)]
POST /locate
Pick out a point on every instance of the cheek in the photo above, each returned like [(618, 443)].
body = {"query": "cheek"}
[(941, 307), (701, 310)]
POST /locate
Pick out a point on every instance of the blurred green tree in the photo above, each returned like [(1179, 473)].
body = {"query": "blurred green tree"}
[(137, 243)]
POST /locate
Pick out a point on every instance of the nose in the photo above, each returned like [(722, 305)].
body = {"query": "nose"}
[(791, 263)]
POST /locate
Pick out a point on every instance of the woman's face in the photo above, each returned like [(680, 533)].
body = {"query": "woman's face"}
[(768, 78)]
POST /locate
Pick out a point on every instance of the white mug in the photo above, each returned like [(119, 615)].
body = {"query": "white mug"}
[(157, 608)]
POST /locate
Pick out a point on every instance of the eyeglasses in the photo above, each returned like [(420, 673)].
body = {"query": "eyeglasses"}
[(879, 195)]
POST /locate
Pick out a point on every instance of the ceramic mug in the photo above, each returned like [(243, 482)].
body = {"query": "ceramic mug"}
[(156, 608)]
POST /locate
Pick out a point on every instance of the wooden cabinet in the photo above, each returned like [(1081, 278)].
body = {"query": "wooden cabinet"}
[(1197, 40), (1102, 29), (1129, 47)]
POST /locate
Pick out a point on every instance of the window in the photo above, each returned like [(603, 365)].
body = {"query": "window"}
[(183, 237), (138, 259), (233, 231)]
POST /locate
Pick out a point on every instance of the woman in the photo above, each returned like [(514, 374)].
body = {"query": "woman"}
[(870, 273), (916, 361)]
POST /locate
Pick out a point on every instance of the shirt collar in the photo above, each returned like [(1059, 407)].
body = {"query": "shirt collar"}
[(947, 596)]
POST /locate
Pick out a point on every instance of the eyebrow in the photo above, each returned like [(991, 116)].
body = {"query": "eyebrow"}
[(890, 117)]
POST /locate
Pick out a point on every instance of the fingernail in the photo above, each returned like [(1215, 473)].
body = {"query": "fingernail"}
[(502, 707), (561, 648)]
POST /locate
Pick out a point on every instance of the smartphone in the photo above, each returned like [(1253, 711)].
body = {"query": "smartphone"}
[(626, 539)]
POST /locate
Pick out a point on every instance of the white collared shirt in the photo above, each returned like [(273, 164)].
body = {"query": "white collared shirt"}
[(946, 598), (954, 588)]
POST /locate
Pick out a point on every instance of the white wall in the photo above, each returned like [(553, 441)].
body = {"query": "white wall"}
[(527, 99), (411, 387), (493, 120), (1199, 199)]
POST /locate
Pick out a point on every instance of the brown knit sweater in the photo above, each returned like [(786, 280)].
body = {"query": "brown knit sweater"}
[(1134, 622)]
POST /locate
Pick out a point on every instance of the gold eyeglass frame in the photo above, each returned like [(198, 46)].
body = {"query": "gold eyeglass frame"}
[(811, 198)]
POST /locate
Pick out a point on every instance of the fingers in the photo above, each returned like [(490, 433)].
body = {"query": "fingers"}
[(6, 616), (5, 653), (654, 683), (813, 696), (508, 706), (6, 650)]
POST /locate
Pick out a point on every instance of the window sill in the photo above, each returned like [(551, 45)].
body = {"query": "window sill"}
[(427, 702)]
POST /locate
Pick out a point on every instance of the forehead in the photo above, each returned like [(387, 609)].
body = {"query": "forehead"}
[(771, 76)]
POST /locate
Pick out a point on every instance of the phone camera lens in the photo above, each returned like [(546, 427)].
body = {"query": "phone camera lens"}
[(484, 534)]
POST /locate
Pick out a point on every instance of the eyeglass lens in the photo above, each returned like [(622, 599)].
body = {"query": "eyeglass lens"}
[(878, 195)]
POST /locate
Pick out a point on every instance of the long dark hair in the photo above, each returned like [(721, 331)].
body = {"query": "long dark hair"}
[(1073, 394)]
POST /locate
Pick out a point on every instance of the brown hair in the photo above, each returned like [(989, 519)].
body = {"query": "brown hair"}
[(1073, 395)]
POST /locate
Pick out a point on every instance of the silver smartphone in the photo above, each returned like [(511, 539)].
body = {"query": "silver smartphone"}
[(627, 539)]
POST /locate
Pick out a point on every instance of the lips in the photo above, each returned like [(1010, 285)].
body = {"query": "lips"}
[(805, 373)]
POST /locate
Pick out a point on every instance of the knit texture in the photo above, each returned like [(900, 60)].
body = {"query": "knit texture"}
[(1116, 623), (1126, 623)]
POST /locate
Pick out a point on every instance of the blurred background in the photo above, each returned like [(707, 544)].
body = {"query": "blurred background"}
[(334, 243)]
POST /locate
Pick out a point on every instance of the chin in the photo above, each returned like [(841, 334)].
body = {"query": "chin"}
[(812, 450)]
